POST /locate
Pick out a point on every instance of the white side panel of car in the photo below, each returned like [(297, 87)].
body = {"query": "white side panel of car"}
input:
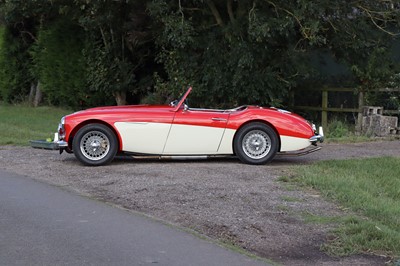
[(150, 138), (143, 137), (226, 146), (193, 140), (293, 143)]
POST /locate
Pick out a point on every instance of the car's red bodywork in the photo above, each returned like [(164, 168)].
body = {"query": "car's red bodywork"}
[(285, 124), (177, 129)]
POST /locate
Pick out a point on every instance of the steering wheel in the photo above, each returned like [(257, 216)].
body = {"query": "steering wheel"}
[(173, 103)]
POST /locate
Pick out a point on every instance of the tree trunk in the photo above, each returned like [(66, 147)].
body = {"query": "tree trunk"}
[(38, 95), (230, 11), (215, 13), (32, 93), (120, 97)]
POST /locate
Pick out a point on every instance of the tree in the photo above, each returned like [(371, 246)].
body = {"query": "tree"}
[(21, 19), (15, 76), (116, 42), (59, 64), (118, 45), (233, 52), (256, 51)]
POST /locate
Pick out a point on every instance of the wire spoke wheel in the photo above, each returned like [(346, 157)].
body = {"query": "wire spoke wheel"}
[(256, 144), (95, 145)]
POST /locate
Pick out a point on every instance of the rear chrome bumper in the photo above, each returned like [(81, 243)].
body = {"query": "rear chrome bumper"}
[(318, 137), (300, 152)]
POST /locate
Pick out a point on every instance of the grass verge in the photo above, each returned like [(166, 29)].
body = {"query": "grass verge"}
[(19, 124), (370, 188)]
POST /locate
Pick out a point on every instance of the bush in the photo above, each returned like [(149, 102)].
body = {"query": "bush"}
[(60, 65), (338, 129), (15, 76)]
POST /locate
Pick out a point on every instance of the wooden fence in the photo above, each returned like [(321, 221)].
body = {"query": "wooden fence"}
[(324, 108)]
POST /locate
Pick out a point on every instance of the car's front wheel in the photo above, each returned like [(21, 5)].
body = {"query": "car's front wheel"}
[(256, 143), (95, 144)]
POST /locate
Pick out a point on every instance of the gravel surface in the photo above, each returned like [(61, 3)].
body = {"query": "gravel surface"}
[(224, 199)]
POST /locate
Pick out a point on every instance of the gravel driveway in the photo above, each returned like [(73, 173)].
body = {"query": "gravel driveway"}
[(239, 204)]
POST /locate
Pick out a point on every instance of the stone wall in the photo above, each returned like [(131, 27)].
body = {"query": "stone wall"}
[(374, 123)]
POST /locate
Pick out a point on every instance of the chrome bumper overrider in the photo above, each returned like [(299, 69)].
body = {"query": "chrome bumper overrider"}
[(318, 137), (61, 144)]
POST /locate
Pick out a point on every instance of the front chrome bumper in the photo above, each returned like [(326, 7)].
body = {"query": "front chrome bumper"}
[(54, 145), (318, 137)]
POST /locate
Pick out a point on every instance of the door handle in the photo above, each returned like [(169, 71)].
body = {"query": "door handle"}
[(218, 119)]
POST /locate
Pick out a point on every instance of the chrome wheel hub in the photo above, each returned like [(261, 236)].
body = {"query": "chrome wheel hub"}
[(95, 145), (256, 144)]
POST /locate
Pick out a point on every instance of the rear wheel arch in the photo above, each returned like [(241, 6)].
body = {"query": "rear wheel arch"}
[(256, 121)]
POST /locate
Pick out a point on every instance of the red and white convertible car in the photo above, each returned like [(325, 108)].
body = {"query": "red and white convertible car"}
[(254, 134)]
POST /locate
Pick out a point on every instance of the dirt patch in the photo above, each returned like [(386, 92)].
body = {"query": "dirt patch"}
[(223, 199)]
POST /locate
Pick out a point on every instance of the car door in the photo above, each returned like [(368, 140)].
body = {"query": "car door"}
[(145, 131), (195, 132)]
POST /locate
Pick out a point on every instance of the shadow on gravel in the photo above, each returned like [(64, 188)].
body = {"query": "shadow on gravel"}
[(278, 160)]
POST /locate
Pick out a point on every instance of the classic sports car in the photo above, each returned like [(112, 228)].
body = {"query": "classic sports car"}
[(254, 134)]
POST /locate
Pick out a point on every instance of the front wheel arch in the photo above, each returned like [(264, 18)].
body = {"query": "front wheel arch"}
[(95, 144), (93, 121)]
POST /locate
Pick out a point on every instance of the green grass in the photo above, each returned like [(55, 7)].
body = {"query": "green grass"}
[(352, 138), (370, 188), (19, 124)]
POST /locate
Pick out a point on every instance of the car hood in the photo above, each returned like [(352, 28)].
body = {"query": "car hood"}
[(122, 108)]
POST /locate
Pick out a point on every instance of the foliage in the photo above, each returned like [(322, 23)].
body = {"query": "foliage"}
[(107, 73), (117, 48), (254, 52), (225, 62), (377, 69), (388, 99), (116, 35), (232, 52), (22, 19), (337, 129), (59, 64), (15, 76)]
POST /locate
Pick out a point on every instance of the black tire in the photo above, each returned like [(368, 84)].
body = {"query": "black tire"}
[(95, 144), (256, 143)]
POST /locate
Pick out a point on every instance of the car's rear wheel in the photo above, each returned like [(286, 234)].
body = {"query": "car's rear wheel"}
[(95, 144), (256, 143)]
